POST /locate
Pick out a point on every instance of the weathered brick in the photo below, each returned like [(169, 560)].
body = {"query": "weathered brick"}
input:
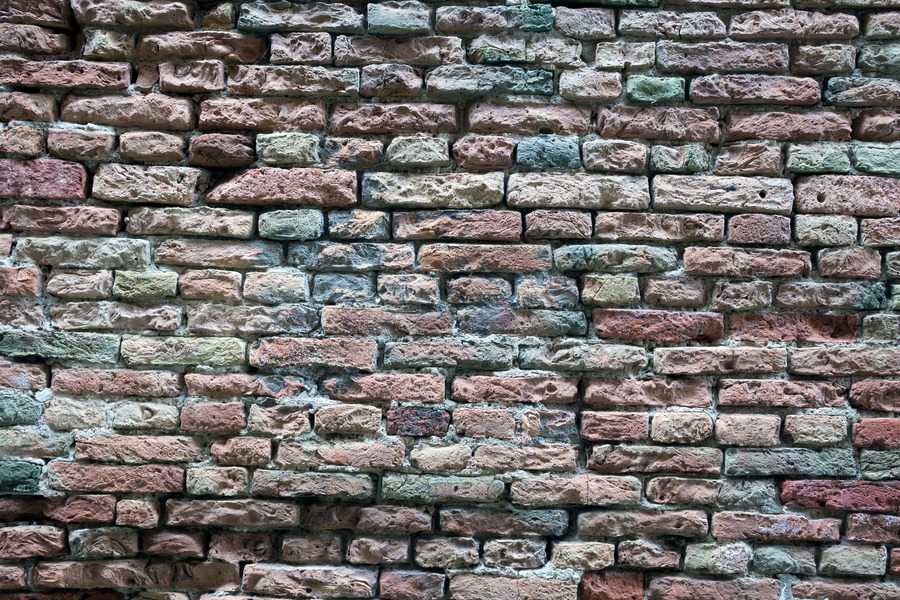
[(773, 527), (155, 111), (659, 122), (261, 114), (788, 126)]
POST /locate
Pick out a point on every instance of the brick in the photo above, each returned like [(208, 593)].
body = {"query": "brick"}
[(493, 19), (577, 190), (863, 195), (727, 57), (410, 585), (769, 527), (160, 185), (523, 118), (220, 150), (27, 107), (748, 159), (73, 476), (831, 362), (684, 523), (754, 262), (786, 126), (457, 190), (45, 178), (103, 574), (748, 430), (647, 392), (437, 488), (327, 582), (875, 395), (471, 586), (151, 146), (841, 495), (841, 591), (666, 326), (73, 74), (394, 118), (261, 114), (384, 387), (484, 257), (710, 492), (32, 541), (755, 89), (683, 588), (269, 185), (155, 111), (659, 122), (719, 360), (165, 351), (671, 25), (793, 326), (227, 46), (334, 352), (654, 459), (300, 47), (786, 24), (424, 51), (330, 17)]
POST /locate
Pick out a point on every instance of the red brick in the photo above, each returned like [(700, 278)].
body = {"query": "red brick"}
[(682, 588), (394, 118), (484, 257), (664, 123), (487, 117), (779, 393), (875, 394), (24, 283), (71, 74), (658, 325), (116, 382), (42, 178), (617, 426), (193, 45), (755, 89), (880, 496), (723, 57), (270, 185), (34, 541), (385, 387), (417, 422), (73, 476), (147, 111), (612, 585), (877, 126), (788, 327), (551, 390), (221, 150), (879, 529), (23, 376), (341, 320), (484, 152), (823, 126), (215, 417), (261, 114), (773, 230), (328, 352), (884, 433), (771, 528), (824, 589), (648, 392), (746, 262), (183, 544), (410, 585), (74, 219)]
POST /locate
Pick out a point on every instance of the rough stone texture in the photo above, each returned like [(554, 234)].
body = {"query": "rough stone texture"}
[(415, 300)]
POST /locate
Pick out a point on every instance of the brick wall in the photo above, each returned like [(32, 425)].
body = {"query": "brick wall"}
[(570, 301)]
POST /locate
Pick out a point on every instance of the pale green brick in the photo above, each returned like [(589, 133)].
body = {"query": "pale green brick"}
[(141, 285)]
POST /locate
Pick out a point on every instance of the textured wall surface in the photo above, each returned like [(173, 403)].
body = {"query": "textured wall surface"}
[(415, 301)]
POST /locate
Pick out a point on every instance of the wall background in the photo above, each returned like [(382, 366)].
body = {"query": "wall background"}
[(589, 300)]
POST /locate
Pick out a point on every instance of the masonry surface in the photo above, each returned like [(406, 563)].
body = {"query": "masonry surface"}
[(412, 301)]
